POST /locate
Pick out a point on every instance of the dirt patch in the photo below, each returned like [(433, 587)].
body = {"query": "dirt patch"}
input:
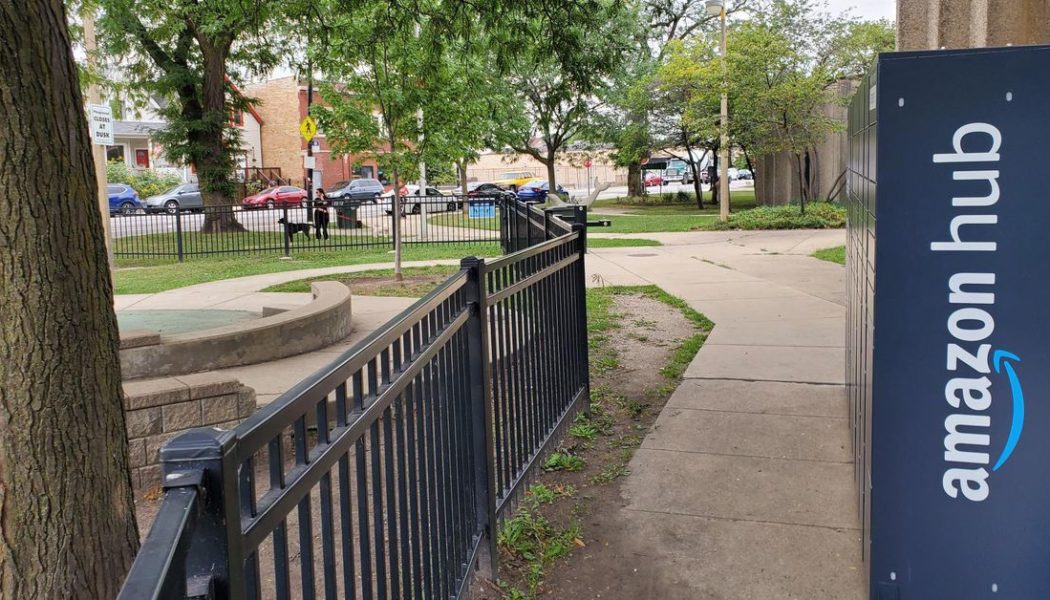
[(572, 516)]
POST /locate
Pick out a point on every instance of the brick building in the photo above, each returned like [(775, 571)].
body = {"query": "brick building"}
[(281, 103)]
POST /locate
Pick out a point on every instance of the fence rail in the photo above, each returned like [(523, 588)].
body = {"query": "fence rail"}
[(385, 473), (176, 234)]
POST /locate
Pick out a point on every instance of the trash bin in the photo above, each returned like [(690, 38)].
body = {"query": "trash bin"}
[(346, 214)]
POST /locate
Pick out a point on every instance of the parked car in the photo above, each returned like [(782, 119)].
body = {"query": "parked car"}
[(434, 200), (276, 197), (653, 180), (123, 199), (514, 179), (357, 192), (485, 188), (745, 175), (185, 197), (537, 190)]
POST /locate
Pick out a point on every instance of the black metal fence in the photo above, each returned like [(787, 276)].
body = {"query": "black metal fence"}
[(177, 234), (384, 474)]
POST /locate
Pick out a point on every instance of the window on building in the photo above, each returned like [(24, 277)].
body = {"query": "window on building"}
[(114, 153), (238, 118)]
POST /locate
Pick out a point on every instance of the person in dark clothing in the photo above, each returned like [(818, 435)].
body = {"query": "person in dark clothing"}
[(321, 205)]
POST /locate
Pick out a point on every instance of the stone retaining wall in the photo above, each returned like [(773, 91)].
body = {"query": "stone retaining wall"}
[(158, 409)]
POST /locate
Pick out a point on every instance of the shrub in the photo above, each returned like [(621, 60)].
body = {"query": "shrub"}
[(819, 215), (146, 182)]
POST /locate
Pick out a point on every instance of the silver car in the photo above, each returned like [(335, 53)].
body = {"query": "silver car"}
[(185, 197)]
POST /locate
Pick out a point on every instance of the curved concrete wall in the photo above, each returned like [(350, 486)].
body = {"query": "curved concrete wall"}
[(320, 323)]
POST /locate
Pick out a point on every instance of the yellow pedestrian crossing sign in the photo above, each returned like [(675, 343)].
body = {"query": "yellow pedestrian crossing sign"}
[(308, 128)]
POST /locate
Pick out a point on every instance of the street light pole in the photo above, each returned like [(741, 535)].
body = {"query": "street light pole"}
[(723, 145)]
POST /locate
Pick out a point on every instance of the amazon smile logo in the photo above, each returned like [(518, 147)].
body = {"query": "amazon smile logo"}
[(1001, 359), (971, 322)]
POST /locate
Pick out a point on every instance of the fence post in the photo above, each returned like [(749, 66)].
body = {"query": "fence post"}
[(178, 232), (284, 234), (482, 417), (214, 561), (546, 224), (581, 309), (579, 217)]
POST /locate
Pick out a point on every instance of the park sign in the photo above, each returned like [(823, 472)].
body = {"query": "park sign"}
[(100, 124), (947, 190)]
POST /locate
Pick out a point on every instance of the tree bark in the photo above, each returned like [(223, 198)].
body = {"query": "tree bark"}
[(67, 519), (213, 163), (634, 180), (754, 173), (697, 189), (462, 165), (552, 185)]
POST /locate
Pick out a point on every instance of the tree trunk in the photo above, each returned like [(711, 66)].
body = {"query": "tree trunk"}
[(552, 185), (67, 517), (463, 186), (214, 163), (801, 184), (634, 180), (696, 180), (715, 189), (754, 173)]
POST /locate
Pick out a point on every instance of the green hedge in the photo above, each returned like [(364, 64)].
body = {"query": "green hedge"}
[(146, 182), (819, 215)]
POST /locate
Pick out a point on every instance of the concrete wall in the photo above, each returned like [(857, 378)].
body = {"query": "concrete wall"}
[(568, 170), (777, 174), (931, 24), (158, 409)]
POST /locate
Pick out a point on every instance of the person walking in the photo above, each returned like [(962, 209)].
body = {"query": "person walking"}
[(321, 205)]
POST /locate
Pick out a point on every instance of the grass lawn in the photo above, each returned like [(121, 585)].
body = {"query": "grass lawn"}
[(835, 255), (658, 216), (167, 275), (417, 282), (457, 219)]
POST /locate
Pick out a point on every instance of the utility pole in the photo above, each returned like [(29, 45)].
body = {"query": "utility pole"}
[(98, 152), (723, 146)]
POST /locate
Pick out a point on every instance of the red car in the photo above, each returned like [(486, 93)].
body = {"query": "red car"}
[(276, 197), (653, 180)]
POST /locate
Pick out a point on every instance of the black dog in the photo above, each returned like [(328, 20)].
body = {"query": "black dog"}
[(291, 229)]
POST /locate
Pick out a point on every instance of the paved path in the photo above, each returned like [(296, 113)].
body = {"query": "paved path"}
[(744, 487)]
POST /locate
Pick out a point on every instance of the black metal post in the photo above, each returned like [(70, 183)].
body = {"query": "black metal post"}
[(178, 232), (284, 233), (205, 457), (581, 307), (546, 225), (481, 411), (579, 218)]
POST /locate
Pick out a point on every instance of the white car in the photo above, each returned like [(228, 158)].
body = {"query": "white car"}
[(435, 201)]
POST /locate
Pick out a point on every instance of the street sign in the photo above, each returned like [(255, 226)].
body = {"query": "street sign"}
[(587, 163), (946, 184), (100, 123), (308, 128)]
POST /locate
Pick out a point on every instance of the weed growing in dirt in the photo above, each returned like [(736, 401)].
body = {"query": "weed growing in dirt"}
[(611, 473), (585, 431), (531, 537), (543, 494), (562, 460)]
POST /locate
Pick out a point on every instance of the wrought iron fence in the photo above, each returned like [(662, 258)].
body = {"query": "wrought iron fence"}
[(384, 474), (176, 233)]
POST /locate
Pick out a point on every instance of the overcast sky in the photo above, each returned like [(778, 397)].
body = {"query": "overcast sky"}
[(867, 9)]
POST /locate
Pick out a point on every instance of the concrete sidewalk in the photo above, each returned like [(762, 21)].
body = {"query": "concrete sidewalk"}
[(744, 487)]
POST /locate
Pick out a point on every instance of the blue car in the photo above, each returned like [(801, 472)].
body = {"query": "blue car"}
[(123, 199), (537, 190)]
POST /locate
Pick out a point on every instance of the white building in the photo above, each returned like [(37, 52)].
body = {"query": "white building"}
[(134, 129)]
